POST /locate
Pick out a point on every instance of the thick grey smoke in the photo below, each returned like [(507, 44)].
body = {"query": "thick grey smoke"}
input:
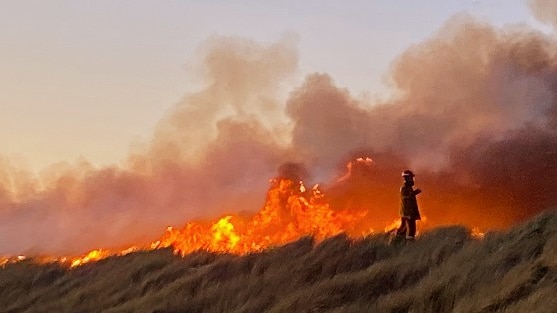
[(475, 114), (477, 118), (328, 123)]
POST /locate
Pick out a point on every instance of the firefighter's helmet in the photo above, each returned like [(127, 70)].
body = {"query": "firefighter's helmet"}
[(408, 173)]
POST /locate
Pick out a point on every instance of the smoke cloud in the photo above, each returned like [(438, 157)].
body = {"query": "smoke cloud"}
[(474, 114), (544, 10), (213, 152)]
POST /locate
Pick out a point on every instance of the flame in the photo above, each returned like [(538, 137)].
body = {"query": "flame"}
[(93, 255), (223, 235), (477, 233), (291, 211), (392, 226)]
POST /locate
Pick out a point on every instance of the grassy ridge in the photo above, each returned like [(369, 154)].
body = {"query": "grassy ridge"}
[(445, 270)]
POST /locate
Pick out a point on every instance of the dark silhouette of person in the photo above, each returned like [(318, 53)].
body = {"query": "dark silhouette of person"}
[(409, 212)]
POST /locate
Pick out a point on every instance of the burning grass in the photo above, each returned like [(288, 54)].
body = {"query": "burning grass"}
[(445, 270), (290, 212)]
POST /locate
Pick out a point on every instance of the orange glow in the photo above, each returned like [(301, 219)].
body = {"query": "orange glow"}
[(291, 211), (392, 226), (91, 256), (477, 233)]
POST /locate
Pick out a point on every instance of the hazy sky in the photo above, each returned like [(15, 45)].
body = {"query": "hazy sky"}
[(89, 78)]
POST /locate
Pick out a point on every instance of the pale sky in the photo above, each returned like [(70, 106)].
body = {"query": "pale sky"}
[(89, 78)]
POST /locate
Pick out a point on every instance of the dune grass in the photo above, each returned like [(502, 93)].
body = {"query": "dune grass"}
[(444, 270)]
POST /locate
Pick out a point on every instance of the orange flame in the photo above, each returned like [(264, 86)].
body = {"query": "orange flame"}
[(93, 255), (392, 226), (290, 212), (477, 233)]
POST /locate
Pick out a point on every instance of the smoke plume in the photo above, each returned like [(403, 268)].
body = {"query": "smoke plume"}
[(213, 152), (544, 10), (474, 114)]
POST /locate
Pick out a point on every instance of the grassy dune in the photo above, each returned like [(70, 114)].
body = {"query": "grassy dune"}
[(445, 270)]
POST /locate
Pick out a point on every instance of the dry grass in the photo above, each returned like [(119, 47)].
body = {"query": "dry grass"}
[(445, 270)]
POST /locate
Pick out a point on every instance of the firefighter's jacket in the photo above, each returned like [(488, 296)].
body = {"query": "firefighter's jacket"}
[(408, 203)]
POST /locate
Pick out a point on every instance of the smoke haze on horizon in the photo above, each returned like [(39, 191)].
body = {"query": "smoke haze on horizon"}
[(475, 114)]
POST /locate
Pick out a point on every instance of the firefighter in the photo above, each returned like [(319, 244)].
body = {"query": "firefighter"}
[(409, 212)]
